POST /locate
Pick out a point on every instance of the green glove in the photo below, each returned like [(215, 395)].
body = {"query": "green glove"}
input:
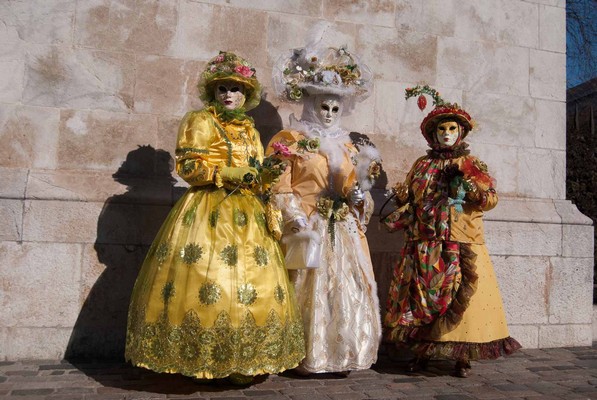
[(239, 175)]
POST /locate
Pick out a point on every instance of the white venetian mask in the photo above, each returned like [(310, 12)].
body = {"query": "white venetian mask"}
[(447, 133), (328, 109), (230, 94)]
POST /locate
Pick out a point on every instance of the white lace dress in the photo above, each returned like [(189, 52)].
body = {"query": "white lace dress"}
[(338, 299)]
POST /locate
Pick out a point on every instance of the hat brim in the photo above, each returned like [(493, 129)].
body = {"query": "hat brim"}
[(337, 90), (429, 124)]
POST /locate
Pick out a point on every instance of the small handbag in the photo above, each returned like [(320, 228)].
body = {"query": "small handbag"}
[(303, 250)]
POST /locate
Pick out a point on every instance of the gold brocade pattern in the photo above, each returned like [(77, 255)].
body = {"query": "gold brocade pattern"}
[(261, 256), (279, 294), (247, 294), (217, 351), (213, 218), (162, 252), (209, 293), (191, 253), (230, 255)]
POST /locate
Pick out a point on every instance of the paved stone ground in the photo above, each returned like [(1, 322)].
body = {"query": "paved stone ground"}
[(568, 373)]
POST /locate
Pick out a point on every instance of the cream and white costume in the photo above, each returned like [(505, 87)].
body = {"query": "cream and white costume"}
[(338, 299)]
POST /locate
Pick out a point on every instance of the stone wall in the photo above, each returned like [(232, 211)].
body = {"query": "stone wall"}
[(91, 93)]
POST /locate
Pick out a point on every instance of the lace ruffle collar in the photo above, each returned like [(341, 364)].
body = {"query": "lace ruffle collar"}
[(313, 129)]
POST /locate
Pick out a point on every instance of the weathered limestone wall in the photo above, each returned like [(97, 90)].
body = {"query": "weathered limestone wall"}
[(83, 84)]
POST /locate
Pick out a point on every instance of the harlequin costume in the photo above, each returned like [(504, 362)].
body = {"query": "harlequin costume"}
[(213, 298), (338, 299), (444, 300)]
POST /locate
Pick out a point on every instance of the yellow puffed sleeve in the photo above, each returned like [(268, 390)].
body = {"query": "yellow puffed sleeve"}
[(195, 135)]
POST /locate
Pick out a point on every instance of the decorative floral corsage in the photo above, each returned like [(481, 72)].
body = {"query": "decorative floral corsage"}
[(333, 210), (308, 145)]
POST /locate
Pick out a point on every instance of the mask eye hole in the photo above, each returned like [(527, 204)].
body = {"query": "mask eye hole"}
[(335, 109), (452, 128), (235, 89), (325, 107), (222, 89)]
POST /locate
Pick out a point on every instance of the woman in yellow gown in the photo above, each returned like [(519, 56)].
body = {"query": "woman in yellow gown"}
[(212, 299), (444, 300)]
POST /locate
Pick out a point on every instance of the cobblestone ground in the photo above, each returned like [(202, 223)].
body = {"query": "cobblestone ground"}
[(568, 373)]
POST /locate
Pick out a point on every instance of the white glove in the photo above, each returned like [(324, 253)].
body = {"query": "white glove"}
[(298, 224), (356, 196)]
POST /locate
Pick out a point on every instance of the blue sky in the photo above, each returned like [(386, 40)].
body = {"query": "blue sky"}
[(574, 63)]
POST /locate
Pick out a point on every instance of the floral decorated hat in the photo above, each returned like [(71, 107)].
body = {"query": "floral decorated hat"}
[(227, 66), (321, 70), (441, 112)]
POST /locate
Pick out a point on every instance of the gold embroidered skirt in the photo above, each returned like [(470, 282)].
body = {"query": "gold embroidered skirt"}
[(213, 297)]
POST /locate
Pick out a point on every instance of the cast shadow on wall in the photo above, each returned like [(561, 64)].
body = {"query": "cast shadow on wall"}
[(125, 228)]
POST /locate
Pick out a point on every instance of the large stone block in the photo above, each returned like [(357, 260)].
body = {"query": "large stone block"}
[(552, 29), (11, 215), (426, 16), (570, 290), (40, 284), (519, 277), (542, 173), (12, 67), (555, 3), (501, 119), (524, 239), (29, 343), (101, 140), (526, 335), (524, 210), (13, 182), (398, 55), (504, 21), (548, 75), (47, 22), (550, 124), (79, 78), (72, 185), (482, 67), (162, 84), (570, 214), (60, 221), (373, 12), (205, 29), (295, 7), (577, 241), (145, 27), (565, 335), (190, 94), (167, 132), (25, 138)]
